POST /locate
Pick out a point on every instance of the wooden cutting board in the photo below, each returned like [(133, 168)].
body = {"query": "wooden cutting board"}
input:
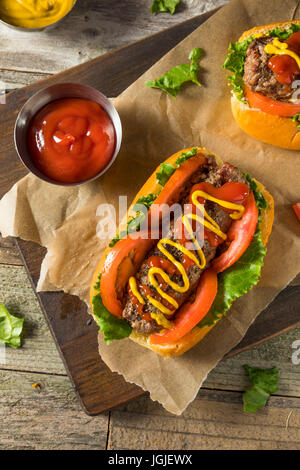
[(73, 331)]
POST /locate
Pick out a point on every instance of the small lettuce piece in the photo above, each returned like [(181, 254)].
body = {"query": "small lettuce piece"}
[(112, 327), (235, 281), (185, 156), (265, 382), (259, 198), (279, 33), (234, 62), (167, 169), (296, 118), (146, 201), (134, 223), (165, 172), (97, 284), (160, 6), (284, 33), (10, 328), (171, 81)]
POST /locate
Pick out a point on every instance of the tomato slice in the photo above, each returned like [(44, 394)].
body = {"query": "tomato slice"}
[(240, 235), (296, 208), (172, 191), (121, 262), (269, 106), (189, 315)]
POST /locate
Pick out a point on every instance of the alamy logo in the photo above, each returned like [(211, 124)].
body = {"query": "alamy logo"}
[(296, 93), (296, 353), (2, 92), (2, 354), (163, 221)]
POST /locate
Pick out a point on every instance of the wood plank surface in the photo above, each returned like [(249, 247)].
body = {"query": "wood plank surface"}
[(49, 418), (214, 420), (128, 426), (55, 404), (94, 28)]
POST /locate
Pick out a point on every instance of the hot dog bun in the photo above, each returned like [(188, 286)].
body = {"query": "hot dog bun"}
[(194, 336), (269, 128)]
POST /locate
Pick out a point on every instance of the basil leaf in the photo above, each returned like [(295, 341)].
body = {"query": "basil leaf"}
[(171, 81), (265, 382), (160, 6), (10, 328), (112, 327)]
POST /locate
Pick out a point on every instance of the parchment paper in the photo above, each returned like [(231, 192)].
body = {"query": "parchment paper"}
[(156, 126)]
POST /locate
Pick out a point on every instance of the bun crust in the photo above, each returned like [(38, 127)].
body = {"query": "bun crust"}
[(195, 335), (269, 128)]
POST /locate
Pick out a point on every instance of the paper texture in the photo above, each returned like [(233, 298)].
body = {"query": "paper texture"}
[(155, 127)]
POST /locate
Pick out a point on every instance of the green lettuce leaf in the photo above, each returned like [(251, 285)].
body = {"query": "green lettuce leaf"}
[(234, 62), (167, 169), (185, 156), (265, 382), (146, 201), (10, 328), (259, 198), (296, 118), (235, 281), (165, 172), (243, 275), (112, 327), (159, 6), (134, 223), (171, 81), (284, 33), (236, 56)]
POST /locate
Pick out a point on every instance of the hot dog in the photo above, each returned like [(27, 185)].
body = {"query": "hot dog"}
[(266, 70), (163, 290)]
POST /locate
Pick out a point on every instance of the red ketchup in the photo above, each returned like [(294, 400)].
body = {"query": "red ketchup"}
[(284, 66), (71, 140)]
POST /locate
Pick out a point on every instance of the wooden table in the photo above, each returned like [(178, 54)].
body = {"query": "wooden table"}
[(51, 418)]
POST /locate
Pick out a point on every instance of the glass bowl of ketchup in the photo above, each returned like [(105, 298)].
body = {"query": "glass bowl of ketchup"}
[(68, 134)]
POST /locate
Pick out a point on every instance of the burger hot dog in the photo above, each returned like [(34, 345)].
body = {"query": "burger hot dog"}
[(266, 70), (163, 291)]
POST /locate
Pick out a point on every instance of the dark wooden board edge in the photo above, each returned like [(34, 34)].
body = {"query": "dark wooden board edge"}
[(62, 311), (67, 313)]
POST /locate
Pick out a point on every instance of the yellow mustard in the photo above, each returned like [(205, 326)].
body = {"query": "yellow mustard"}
[(209, 223), (281, 48), (34, 13)]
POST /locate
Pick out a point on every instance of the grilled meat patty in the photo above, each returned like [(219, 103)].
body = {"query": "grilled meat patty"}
[(257, 75), (216, 176)]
